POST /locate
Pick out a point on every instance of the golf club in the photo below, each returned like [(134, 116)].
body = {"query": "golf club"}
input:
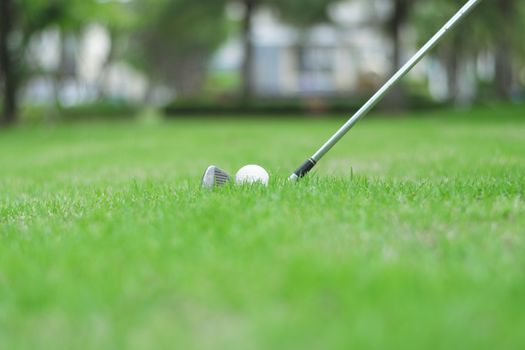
[(214, 176), (310, 163)]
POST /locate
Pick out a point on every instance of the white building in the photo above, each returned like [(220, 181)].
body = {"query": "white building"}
[(346, 57)]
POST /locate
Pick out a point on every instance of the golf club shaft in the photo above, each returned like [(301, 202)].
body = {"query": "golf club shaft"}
[(312, 161)]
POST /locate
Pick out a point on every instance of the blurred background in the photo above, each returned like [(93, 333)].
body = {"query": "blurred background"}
[(63, 59)]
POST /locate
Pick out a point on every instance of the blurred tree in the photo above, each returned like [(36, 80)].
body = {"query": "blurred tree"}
[(247, 68), (175, 40), (119, 20), (464, 42), (507, 42), (303, 13), (7, 77), (478, 36), (396, 22), (21, 20), (298, 13), (72, 17)]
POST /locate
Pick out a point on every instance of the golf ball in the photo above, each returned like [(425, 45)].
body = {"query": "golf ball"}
[(250, 174)]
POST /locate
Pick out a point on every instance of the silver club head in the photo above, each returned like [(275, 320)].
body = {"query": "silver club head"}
[(215, 177)]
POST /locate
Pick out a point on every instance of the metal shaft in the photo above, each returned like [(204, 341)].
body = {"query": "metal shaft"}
[(379, 95)]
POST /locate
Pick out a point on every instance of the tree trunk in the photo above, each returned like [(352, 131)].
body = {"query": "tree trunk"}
[(397, 100), (504, 66), (504, 71), (395, 26), (247, 74), (452, 63), (8, 74)]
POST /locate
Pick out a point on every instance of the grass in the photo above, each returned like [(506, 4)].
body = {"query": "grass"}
[(410, 235)]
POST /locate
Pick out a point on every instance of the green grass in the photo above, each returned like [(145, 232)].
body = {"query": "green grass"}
[(410, 235)]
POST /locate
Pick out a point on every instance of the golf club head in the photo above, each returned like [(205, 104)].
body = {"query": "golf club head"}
[(215, 177)]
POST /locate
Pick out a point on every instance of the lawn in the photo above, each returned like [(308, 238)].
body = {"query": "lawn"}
[(409, 235)]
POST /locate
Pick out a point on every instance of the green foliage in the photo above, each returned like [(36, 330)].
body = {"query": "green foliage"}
[(303, 13), (33, 16), (482, 33), (117, 17), (175, 39), (471, 36), (111, 244), (482, 30)]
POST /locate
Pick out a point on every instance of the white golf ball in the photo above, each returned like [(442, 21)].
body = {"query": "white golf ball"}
[(250, 174)]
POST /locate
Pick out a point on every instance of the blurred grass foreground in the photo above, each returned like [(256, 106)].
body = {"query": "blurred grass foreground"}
[(409, 236)]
